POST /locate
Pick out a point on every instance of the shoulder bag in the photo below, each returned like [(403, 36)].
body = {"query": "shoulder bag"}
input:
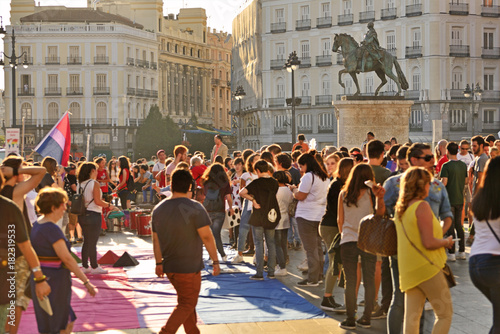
[(78, 206), (492, 231)]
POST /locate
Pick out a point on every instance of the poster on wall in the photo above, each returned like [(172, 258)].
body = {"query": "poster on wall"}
[(12, 141)]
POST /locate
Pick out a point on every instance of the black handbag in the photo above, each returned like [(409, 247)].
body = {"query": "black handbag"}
[(78, 202)]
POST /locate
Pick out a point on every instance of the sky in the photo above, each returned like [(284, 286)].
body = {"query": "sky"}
[(220, 13)]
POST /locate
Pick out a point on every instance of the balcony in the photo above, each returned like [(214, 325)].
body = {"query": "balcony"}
[(459, 9), (325, 60), (388, 13), (324, 100), (135, 121), (305, 62), (74, 60), (74, 91), (414, 10), (140, 63), (140, 92), (53, 91), (101, 90), (412, 95), (367, 16), (130, 91), (152, 93), (345, 19), (305, 100), (153, 65), (416, 127), (491, 126), (340, 59), (280, 130), (324, 22), (490, 96), (413, 52), (100, 121), (459, 51), (101, 60), (277, 28), (29, 60), (458, 94), (277, 64), (52, 61), (303, 24), (304, 129), (458, 126), (276, 102), (393, 52), (130, 61), (490, 53), (327, 128), (26, 91), (490, 11), (215, 82)]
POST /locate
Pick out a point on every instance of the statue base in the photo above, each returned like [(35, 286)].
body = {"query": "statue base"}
[(386, 118)]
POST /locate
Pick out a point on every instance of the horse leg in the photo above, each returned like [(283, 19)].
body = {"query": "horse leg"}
[(381, 75), (390, 74), (355, 79), (342, 71)]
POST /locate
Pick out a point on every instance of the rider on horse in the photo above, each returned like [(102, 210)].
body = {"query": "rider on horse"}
[(370, 47)]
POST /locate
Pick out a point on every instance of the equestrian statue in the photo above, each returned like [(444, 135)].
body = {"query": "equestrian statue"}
[(368, 57)]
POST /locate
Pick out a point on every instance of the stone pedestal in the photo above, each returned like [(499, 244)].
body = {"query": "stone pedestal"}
[(385, 118)]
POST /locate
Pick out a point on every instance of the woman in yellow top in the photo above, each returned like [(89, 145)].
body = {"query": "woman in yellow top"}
[(418, 277)]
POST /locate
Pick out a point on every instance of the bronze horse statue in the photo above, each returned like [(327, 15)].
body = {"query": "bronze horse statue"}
[(383, 66)]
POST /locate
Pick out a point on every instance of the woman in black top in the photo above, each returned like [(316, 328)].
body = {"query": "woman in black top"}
[(53, 176), (328, 229), (122, 188)]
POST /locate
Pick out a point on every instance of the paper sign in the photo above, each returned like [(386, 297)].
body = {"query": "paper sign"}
[(12, 141)]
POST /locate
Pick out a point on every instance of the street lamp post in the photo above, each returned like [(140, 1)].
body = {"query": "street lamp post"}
[(13, 64), (291, 66), (239, 94), (471, 93)]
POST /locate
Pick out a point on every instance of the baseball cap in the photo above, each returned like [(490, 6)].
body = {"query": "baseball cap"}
[(160, 151)]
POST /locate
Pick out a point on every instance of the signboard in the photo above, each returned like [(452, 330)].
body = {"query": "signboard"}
[(12, 141)]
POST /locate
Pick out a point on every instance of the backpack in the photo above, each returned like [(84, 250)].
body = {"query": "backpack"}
[(213, 202), (78, 202), (130, 181)]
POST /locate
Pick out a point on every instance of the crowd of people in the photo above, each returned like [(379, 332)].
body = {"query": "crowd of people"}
[(304, 199)]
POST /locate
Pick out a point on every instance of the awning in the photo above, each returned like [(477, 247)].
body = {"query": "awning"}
[(203, 130), (421, 139)]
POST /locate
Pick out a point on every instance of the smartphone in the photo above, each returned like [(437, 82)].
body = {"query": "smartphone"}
[(457, 239), (369, 183)]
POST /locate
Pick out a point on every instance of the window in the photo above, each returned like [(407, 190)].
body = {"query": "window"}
[(143, 54), (369, 84), (347, 6), (416, 37), (488, 3), (152, 56), (489, 116), (101, 110), (305, 86), (27, 50), (101, 80), (26, 111), (416, 79), (456, 36), (304, 48), (74, 108), (304, 121), (183, 50), (325, 84), (280, 50), (101, 139), (368, 5), (280, 15), (26, 82), (100, 51), (416, 117), (325, 46), (488, 39), (391, 3), (53, 111), (53, 81), (176, 48), (458, 117), (280, 121), (456, 80), (348, 86), (52, 52), (391, 40), (304, 12), (168, 46), (326, 121), (280, 88), (74, 53), (488, 82), (191, 53), (74, 81), (325, 9)]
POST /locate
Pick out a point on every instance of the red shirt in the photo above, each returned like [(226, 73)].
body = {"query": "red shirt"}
[(102, 175), (125, 172), (197, 172), (440, 164)]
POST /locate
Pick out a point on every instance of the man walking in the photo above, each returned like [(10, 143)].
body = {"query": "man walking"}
[(180, 228), (220, 149)]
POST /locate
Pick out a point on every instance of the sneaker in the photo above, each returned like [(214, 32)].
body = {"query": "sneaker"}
[(297, 245), (363, 322), (79, 240), (376, 307), (461, 256), (237, 259), (281, 272), (98, 271), (348, 324), (329, 304), (86, 270), (380, 314), (452, 257), (271, 276), (469, 241), (257, 277), (249, 252), (305, 282), (341, 309), (72, 240), (428, 306), (303, 266), (290, 245)]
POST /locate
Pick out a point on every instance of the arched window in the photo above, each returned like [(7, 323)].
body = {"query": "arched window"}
[(129, 110), (325, 121), (325, 84), (305, 85), (144, 113), (304, 122), (176, 48), (137, 110), (415, 78), (183, 50), (456, 78), (280, 88), (199, 53), (53, 111), (168, 46), (74, 108), (192, 52), (26, 111), (101, 110)]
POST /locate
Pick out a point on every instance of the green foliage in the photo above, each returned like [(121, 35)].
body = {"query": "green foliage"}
[(157, 132), (201, 142), (2, 140)]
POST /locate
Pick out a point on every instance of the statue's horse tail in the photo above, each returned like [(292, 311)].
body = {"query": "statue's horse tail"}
[(401, 75)]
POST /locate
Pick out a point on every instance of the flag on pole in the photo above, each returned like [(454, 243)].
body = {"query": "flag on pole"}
[(57, 143)]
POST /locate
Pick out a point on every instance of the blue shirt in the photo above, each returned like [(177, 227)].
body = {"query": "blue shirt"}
[(438, 197)]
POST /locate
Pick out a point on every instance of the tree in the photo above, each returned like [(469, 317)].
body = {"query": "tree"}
[(157, 132)]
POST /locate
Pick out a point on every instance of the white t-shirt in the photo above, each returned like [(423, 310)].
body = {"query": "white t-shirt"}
[(30, 205), (248, 178), (171, 168), (284, 197), (484, 240), (158, 167), (467, 159), (313, 207), (88, 194)]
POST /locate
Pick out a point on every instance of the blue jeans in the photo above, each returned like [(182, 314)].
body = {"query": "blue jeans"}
[(244, 227), (281, 247), (396, 312), (217, 219), (457, 225), (91, 228), (293, 231), (145, 194), (484, 270), (258, 239)]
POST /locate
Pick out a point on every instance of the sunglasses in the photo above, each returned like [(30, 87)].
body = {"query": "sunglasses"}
[(427, 157), (464, 148)]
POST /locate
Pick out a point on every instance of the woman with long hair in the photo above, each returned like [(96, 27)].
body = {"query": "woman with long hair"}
[(102, 174), (484, 260), (421, 253), (355, 202), (331, 163), (217, 191), (311, 195), (122, 187), (53, 250), (53, 177), (91, 220), (328, 227)]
